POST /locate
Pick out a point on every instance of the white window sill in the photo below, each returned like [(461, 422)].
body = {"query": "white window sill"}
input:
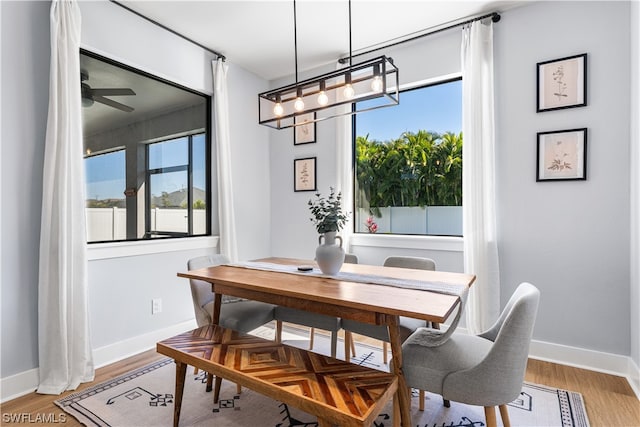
[(436, 243), (147, 247)]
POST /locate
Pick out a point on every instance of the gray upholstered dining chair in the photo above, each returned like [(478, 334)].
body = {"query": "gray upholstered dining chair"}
[(381, 332), (235, 313), (313, 320), (485, 370)]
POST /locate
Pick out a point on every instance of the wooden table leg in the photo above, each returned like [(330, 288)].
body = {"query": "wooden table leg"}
[(393, 322), (181, 370), (215, 320), (217, 303)]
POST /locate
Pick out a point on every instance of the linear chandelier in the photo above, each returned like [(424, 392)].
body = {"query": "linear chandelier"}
[(332, 94)]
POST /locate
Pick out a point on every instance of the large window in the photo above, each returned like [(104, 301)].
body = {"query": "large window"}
[(147, 154), (408, 172)]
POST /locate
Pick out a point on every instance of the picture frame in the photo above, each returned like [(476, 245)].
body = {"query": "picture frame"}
[(304, 133), (562, 155), (562, 83), (304, 174)]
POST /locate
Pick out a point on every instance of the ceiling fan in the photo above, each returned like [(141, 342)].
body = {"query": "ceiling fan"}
[(90, 95)]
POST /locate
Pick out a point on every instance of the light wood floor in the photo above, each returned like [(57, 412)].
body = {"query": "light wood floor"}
[(610, 401)]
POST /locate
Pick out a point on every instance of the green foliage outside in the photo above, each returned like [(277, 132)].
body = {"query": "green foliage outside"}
[(198, 204), (416, 169)]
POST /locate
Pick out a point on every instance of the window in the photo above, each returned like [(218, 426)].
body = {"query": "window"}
[(408, 164), (147, 154), (106, 208), (176, 193)]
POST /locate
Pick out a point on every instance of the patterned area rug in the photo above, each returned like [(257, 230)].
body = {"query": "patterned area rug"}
[(144, 397)]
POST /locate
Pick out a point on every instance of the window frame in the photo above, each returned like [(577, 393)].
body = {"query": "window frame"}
[(441, 242), (189, 169), (209, 150)]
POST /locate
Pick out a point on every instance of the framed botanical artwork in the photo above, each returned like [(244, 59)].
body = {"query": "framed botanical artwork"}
[(562, 83), (304, 174), (562, 155), (305, 132)]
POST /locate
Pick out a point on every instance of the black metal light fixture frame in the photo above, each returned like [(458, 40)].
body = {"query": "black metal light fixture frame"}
[(330, 95)]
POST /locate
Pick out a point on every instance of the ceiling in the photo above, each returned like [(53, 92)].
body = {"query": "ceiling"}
[(152, 97), (259, 35)]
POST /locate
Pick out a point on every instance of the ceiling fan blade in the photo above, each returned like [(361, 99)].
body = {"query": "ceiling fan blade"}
[(113, 92), (111, 103)]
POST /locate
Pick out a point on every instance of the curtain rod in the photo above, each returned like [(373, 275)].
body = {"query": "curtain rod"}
[(495, 17), (217, 54)]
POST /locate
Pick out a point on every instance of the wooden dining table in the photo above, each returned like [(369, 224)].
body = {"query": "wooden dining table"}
[(364, 302)]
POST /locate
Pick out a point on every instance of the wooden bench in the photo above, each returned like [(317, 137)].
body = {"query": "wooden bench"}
[(337, 392)]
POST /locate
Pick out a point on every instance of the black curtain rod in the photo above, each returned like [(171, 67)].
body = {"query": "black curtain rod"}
[(219, 55), (495, 17)]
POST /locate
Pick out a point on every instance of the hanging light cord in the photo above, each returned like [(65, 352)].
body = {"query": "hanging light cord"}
[(350, 45), (295, 37)]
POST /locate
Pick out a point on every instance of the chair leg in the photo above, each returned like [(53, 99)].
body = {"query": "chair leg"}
[(353, 345), (278, 338), (238, 389), (216, 389), (385, 352), (334, 343), (312, 333), (421, 400), (504, 414), (490, 415), (347, 346)]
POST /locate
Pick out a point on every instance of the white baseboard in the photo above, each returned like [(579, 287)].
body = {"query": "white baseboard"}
[(27, 382), (613, 364), (608, 363)]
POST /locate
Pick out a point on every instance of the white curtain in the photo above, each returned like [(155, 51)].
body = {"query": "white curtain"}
[(228, 239), (65, 358), (478, 176), (344, 170)]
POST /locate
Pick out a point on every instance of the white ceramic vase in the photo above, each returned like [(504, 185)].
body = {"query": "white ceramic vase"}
[(329, 255)]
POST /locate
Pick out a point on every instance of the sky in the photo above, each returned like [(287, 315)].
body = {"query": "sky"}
[(437, 108), (105, 174)]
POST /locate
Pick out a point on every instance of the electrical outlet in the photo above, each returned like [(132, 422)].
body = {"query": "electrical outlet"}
[(156, 305)]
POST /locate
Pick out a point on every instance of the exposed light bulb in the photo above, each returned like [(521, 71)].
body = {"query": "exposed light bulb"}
[(278, 110), (376, 84), (348, 92), (323, 99), (299, 104)]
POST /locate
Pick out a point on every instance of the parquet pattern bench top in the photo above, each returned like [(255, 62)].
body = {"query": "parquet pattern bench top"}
[(334, 390)]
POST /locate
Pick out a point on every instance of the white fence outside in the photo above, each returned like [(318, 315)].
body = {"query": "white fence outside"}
[(104, 224), (432, 220)]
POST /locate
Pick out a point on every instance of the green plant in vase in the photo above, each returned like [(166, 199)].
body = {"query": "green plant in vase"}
[(329, 218)]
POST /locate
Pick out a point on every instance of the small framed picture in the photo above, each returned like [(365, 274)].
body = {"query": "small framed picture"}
[(304, 174), (304, 132), (562, 83), (562, 155)]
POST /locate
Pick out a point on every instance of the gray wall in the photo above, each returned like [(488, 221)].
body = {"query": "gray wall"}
[(25, 90), (120, 288), (634, 301), (571, 239)]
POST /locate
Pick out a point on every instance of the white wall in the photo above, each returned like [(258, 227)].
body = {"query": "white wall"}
[(571, 239), (635, 187), (122, 279)]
